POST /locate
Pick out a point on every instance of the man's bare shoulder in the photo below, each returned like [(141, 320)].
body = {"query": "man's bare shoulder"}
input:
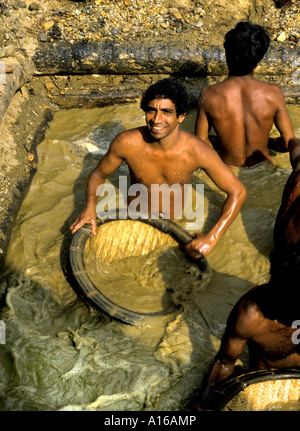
[(246, 307), (199, 154), (210, 90), (131, 137), (247, 304), (269, 87), (228, 84), (247, 316), (211, 95)]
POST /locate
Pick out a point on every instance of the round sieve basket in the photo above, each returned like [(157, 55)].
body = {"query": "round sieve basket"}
[(118, 239), (262, 390)]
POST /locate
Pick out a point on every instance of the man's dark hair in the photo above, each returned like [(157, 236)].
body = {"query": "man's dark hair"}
[(167, 89), (245, 46)]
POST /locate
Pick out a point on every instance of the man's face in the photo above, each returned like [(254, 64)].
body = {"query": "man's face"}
[(161, 118)]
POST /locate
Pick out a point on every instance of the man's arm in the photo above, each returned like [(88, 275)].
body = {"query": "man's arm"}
[(224, 364), (202, 124), (223, 177), (283, 124), (290, 193), (242, 324), (107, 165), (277, 144), (294, 149)]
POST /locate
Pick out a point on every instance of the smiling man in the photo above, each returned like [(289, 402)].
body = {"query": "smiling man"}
[(161, 153)]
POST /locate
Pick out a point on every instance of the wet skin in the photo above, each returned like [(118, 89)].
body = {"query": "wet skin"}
[(263, 317), (287, 225), (242, 111), (161, 153)]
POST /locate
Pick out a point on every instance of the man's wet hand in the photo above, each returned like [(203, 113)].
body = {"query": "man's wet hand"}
[(85, 218), (199, 246)]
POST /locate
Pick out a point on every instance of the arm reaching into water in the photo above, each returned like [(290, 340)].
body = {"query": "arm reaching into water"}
[(243, 322), (107, 165), (294, 149), (277, 144), (223, 177), (283, 125)]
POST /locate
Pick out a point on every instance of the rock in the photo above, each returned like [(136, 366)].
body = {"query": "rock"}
[(19, 4), (183, 4), (50, 87), (33, 7), (126, 29), (47, 25), (177, 15), (282, 37), (280, 3), (199, 23), (42, 37)]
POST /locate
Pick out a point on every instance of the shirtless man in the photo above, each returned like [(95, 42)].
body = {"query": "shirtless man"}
[(161, 153), (287, 225), (266, 317), (241, 109)]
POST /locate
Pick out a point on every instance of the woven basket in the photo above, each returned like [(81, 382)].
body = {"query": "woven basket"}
[(124, 238), (116, 241), (264, 390), (270, 395)]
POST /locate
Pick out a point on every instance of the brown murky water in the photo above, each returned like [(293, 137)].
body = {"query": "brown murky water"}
[(60, 354)]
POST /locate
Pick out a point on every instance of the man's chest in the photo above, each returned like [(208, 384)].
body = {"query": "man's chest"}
[(159, 170)]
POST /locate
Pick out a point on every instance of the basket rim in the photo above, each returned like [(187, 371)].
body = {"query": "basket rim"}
[(226, 390), (93, 295)]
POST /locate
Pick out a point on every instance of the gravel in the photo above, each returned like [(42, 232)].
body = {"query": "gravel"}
[(24, 22)]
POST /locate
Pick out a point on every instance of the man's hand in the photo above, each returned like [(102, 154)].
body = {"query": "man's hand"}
[(277, 144), (200, 246), (87, 216)]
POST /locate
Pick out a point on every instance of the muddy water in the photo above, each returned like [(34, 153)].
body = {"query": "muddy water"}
[(59, 353)]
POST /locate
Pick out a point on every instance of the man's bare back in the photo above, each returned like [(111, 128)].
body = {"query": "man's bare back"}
[(242, 111)]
